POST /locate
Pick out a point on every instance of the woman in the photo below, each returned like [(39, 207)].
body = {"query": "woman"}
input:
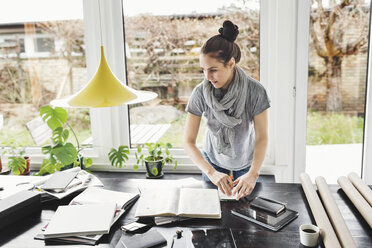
[(235, 107)]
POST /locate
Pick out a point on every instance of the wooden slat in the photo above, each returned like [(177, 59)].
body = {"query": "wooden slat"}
[(143, 133), (163, 128), (40, 132), (137, 137), (147, 137)]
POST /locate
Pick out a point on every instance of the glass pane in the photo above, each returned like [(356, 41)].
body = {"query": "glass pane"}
[(162, 52), (336, 90), (45, 44), (42, 57)]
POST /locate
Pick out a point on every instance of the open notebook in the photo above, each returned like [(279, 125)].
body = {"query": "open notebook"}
[(186, 202)]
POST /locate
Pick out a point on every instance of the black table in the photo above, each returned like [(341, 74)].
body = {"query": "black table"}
[(247, 234)]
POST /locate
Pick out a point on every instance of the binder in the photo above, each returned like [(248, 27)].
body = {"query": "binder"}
[(18, 206)]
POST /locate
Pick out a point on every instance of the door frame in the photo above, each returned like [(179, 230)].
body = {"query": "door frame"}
[(367, 141)]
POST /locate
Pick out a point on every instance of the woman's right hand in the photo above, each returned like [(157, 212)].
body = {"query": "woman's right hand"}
[(222, 181)]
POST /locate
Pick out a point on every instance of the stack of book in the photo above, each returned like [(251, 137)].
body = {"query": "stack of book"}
[(88, 217)]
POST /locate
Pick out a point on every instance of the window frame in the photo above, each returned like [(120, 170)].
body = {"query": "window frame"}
[(300, 113), (367, 139), (110, 126), (108, 135)]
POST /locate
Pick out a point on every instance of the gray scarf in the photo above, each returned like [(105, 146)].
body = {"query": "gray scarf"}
[(228, 110)]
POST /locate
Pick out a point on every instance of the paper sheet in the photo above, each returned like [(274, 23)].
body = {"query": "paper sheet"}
[(189, 182), (14, 184)]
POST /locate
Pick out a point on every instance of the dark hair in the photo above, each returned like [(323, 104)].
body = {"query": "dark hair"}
[(222, 46)]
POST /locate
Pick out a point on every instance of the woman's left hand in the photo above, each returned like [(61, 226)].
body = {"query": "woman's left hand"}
[(244, 185)]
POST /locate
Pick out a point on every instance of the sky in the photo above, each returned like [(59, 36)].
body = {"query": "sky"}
[(18, 11)]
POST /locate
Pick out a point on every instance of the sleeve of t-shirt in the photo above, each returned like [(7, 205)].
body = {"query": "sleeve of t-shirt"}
[(259, 99), (195, 104)]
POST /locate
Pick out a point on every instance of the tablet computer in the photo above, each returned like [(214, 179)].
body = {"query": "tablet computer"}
[(265, 219)]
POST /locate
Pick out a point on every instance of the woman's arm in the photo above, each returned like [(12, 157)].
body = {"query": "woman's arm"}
[(222, 180), (245, 184)]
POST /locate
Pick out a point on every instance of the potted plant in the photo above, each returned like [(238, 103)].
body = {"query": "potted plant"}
[(18, 163), (61, 154), (158, 155)]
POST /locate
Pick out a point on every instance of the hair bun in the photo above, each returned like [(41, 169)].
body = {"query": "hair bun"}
[(229, 31)]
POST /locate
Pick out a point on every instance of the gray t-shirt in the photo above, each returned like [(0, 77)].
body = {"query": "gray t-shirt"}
[(257, 101)]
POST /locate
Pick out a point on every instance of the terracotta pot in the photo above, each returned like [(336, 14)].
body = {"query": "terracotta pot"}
[(27, 171)]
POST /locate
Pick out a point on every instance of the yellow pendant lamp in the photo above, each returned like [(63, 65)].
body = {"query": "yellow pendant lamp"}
[(104, 90)]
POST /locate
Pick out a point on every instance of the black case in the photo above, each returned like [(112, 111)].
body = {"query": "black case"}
[(271, 207), (18, 206), (150, 238)]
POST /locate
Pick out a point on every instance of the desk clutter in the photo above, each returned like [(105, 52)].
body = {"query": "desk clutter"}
[(167, 201), (51, 187), (163, 202), (124, 193), (79, 223), (327, 215)]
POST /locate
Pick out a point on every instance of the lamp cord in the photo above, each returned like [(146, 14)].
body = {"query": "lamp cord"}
[(100, 22)]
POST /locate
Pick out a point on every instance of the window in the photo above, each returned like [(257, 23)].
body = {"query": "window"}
[(45, 44), (336, 87), (29, 77), (11, 45), (162, 55), (170, 69)]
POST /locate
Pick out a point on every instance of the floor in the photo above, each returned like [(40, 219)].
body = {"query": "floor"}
[(333, 161)]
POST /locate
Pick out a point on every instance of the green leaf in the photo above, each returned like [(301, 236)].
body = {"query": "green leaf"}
[(119, 156), (154, 171), (135, 167), (88, 162), (46, 149), (60, 135), (17, 165), (46, 167), (175, 165), (66, 154), (54, 117)]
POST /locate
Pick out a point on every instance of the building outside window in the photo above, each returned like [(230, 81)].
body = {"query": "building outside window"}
[(39, 62)]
